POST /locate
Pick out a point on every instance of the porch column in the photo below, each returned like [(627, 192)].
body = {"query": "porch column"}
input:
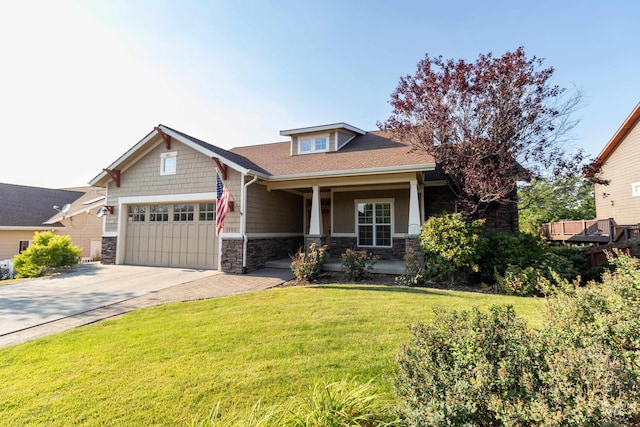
[(414, 209), (315, 225)]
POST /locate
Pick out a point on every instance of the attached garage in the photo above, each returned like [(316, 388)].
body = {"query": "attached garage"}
[(171, 235)]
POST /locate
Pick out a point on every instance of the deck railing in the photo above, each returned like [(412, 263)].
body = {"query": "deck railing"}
[(590, 230), (594, 228)]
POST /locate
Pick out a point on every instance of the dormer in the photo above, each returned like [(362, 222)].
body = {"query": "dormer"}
[(321, 139)]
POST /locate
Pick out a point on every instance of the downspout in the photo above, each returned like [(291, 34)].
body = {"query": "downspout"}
[(243, 222)]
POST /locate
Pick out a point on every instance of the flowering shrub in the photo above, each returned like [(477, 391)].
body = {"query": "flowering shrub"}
[(415, 274), (307, 265), (357, 264)]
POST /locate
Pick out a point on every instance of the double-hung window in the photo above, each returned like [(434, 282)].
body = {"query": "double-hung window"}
[(374, 223), (314, 144)]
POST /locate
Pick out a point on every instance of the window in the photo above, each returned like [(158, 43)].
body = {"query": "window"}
[(168, 163), (635, 189), (313, 144), (374, 223), (159, 213), (183, 212), (23, 245), (207, 212), (136, 213)]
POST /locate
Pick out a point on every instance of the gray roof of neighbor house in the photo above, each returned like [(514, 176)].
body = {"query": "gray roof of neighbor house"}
[(23, 206)]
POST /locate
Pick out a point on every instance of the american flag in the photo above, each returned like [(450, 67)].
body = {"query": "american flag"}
[(222, 203)]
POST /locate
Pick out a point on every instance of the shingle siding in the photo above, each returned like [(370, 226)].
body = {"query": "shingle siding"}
[(195, 173)]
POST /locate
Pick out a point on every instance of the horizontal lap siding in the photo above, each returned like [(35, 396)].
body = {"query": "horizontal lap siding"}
[(273, 211), (9, 241), (621, 169), (82, 229)]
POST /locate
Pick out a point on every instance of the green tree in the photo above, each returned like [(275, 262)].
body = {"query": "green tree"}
[(47, 251), (568, 197)]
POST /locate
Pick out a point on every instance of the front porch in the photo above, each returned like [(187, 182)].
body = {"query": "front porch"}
[(394, 267)]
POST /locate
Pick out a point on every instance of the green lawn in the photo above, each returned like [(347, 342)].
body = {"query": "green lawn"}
[(170, 365)]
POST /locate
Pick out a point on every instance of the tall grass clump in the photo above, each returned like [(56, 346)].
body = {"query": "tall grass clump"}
[(342, 403)]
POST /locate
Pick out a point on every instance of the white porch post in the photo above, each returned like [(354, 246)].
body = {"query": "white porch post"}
[(414, 209), (315, 225)]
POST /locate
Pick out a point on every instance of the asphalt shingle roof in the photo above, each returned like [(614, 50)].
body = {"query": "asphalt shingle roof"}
[(369, 151), (234, 157), (23, 206)]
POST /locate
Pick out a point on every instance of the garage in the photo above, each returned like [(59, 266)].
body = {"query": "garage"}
[(171, 235)]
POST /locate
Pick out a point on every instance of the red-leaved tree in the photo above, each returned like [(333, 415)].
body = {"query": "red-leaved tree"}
[(487, 123)]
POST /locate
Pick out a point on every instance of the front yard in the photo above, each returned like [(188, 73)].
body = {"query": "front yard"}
[(172, 364)]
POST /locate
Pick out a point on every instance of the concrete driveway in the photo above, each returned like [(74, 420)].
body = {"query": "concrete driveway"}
[(33, 302)]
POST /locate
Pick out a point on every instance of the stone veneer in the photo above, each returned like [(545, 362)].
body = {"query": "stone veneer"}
[(259, 251), (108, 254), (231, 256), (318, 240)]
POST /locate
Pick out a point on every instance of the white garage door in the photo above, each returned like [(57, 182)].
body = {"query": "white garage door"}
[(173, 235)]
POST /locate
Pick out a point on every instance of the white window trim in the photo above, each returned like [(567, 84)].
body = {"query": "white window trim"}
[(163, 158), (374, 201), (635, 189), (313, 139)]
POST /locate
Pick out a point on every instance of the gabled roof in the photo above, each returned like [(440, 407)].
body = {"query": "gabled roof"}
[(31, 207), (150, 140), (619, 136), (369, 152), (91, 199)]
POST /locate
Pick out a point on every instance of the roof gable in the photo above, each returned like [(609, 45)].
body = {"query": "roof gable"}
[(619, 136), (152, 139)]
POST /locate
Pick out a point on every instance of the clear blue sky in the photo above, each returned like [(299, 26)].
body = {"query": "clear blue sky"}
[(83, 81)]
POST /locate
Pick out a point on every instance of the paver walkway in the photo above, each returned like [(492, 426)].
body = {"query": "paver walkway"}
[(212, 286)]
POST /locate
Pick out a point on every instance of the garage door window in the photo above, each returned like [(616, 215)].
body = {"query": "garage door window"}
[(207, 212), (136, 213), (159, 213), (183, 212)]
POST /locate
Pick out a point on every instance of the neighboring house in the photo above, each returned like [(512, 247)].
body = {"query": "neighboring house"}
[(332, 184), (25, 210), (619, 163), (617, 202)]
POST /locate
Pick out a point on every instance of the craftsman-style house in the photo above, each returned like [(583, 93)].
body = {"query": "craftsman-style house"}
[(333, 184)]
